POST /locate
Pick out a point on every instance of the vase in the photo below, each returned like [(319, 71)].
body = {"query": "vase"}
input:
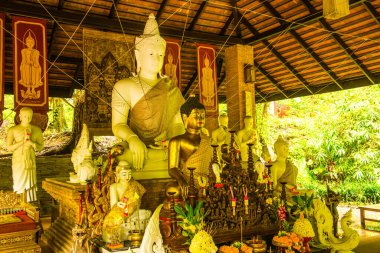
[(306, 241)]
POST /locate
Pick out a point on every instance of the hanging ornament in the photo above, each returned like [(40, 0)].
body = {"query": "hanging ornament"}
[(246, 200), (233, 202), (334, 9)]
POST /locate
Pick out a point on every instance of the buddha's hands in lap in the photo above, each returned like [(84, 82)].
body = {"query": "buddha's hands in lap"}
[(139, 152)]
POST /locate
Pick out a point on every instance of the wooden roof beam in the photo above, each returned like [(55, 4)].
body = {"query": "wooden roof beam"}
[(197, 15), (325, 88), (161, 9), (271, 79), (94, 21), (275, 13), (375, 15), (301, 22), (227, 24), (113, 8), (51, 41), (236, 18), (61, 3), (351, 54)]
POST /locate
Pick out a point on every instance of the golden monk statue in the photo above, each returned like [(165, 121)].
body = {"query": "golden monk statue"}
[(208, 82), (171, 69), (191, 149), (221, 135), (24, 140), (125, 200), (145, 107), (283, 170), (246, 135), (30, 69)]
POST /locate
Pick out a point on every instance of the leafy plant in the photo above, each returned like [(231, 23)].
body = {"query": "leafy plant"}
[(192, 219), (301, 203)]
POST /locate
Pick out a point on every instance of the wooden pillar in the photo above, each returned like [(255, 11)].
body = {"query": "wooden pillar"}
[(240, 85)]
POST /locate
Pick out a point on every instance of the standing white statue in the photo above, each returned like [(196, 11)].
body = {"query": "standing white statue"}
[(24, 140), (145, 107)]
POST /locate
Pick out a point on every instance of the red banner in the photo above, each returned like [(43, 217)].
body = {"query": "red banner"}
[(2, 56), (207, 78), (30, 70), (172, 62)]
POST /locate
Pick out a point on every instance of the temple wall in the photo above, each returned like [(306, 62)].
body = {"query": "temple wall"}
[(47, 167)]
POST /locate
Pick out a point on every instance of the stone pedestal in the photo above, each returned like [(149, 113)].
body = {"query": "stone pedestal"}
[(58, 238), (240, 95)]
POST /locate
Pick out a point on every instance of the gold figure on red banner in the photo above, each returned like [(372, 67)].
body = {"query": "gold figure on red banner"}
[(30, 69), (171, 69), (208, 82)]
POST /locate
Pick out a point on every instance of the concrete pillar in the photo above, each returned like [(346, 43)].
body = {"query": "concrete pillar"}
[(240, 95)]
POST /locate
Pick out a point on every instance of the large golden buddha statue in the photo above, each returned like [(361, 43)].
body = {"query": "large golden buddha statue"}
[(145, 108), (191, 149)]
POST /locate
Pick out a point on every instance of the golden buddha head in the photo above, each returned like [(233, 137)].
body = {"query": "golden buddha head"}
[(193, 113), (150, 48), (29, 41)]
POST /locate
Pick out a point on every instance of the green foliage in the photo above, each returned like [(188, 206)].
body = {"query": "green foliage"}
[(301, 203), (192, 219), (334, 139)]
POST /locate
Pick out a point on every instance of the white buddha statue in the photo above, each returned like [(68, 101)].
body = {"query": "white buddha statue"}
[(221, 135), (24, 140), (145, 108), (246, 135), (283, 170)]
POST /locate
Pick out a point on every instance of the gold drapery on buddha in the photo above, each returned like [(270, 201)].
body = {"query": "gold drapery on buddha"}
[(2, 55)]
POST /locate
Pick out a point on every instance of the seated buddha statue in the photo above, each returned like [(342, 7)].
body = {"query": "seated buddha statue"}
[(283, 170), (125, 200), (145, 108), (244, 136), (191, 149), (221, 135)]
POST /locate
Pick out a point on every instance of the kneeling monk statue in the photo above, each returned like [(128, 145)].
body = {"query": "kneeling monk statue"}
[(145, 108)]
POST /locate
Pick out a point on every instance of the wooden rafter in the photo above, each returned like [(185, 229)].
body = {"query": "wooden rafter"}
[(278, 55), (51, 41), (375, 15), (197, 15), (61, 3), (161, 9), (325, 88), (271, 79), (113, 8), (94, 21), (300, 22), (236, 18), (227, 24)]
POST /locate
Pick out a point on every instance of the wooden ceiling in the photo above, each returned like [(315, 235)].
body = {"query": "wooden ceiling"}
[(297, 51)]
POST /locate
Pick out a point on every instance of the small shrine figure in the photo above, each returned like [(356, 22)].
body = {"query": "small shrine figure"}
[(221, 135), (283, 170), (191, 149), (24, 140), (125, 200), (246, 135)]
